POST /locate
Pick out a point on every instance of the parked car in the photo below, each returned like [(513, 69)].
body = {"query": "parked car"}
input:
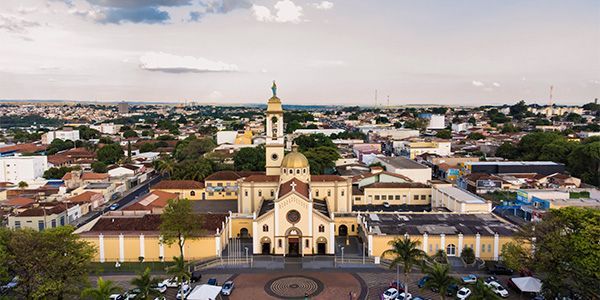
[(499, 269), (451, 290), (386, 204), (422, 281), (463, 293), (172, 282), (161, 287), (471, 278), (497, 288), (183, 292), (490, 279), (114, 206), (116, 297), (420, 298), (390, 294), (212, 281), (132, 294), (404, 296), (397, 285), (196, 276), (227, 288)]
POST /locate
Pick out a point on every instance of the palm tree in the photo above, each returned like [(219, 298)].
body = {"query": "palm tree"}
[(180, 269), (482, 292), (405, 252), (146, 283), (166, 166), (440, 257), (439, 278), (103, 291), (468, 255), (23, 185)]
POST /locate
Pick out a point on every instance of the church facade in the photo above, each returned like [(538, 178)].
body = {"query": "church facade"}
[(292, 211)]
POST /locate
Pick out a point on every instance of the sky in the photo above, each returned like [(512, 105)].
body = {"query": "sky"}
[(320, 52)]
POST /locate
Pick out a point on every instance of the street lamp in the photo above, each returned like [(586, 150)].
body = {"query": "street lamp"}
[(246, 248), (342, 248)]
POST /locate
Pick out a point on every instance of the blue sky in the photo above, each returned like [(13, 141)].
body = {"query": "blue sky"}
[(320, 52)]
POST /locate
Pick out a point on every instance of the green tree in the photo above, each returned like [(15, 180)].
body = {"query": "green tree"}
[(530, 145), (480, 291), (130, 134), (23, 185), (440, 257), (179, 269), (515, 256), (193, 148), (99, 167), (567, 251), (86, 133), (321, 159), (165, 166), (584, 161), (439, 278), (58, 173), (179, 223), (103, 290), (50, 264), (110, 154), (557, 151), (475, 136), (519, 110), (404, 252), (250, 159), (196, 169), (58, 145), (444, 134), (468, 255), (509, 128), (307, 142), (146, 284), (574, 117)]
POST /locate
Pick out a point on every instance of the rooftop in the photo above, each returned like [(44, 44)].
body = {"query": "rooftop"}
[(438, 223), (147, 223), (178, 184), (460, 195), (402, 162)]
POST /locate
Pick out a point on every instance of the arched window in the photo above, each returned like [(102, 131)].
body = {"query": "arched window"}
[(265, 228), (304, 171), (321, 228), (328, 193), (297, 171), (451, 250), (272, 193), (260, 193), (193, 193)]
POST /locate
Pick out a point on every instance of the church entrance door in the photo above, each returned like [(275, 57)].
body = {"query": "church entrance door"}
[(266, 248), (293, 247), (321, 248)]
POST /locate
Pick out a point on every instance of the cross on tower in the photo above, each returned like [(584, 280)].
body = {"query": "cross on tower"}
[(293, 185)]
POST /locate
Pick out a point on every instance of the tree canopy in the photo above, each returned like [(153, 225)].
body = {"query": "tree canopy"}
[(179, 223), (250, 159), (307, 142), (110, 154)]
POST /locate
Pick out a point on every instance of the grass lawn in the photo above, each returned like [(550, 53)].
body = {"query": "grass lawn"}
[(128, 267)]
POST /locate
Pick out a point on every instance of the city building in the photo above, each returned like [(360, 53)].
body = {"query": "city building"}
[(22, 168), (416, 147), (512, 167), (188, 189), (123, 108), (66, 133), (458, 200), (406, 167)]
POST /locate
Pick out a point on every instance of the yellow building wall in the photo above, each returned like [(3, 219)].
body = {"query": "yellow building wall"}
[(350, 223), (407, 196), (196, 248), (221, 195), (238, 224), (185, 193)]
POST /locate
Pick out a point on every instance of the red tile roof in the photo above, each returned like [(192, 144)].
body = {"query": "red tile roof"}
[(230, 175), (326, 178), (178, 185), (83, 197), (23, 148), (156, 199), (299, 187), (262, 178), (18, 202), (41, 211), (87, 176), (148, 223), (396, 185)]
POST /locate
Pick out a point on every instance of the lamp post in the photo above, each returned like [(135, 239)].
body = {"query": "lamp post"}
[(246, 248), (342, 248)]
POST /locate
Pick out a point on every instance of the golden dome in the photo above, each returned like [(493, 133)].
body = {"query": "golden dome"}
[(294, 160)]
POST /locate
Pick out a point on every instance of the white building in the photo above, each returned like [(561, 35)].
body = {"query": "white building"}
[(457, 200), (107, 128), (64, 134), (460, 127), (395, 133), (22, 168), (226, 137), (437, 122), (406, 167)]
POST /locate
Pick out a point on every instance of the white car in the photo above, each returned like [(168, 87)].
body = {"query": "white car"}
[(116, 297), (497, 288), (172, 282), (390, 294), (161, 287), (183, 292), (404, 296), (463, 293)]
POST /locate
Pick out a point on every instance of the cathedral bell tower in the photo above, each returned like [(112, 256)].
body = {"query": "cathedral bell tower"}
[(275, 135)]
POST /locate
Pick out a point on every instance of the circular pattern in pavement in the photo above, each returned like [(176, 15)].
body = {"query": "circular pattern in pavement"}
[(293, 287)]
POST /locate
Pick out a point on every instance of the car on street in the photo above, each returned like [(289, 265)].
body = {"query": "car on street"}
[(196, 276), (471, 278), (404, 296), (172, 282), (212, 281), (160, 287), (386, 204), (497, 288), (490, 279), (451, 290), (420, 298), (183, 292), (227, 288), (114, 206), (463, 293), (116, 297), (390, 294), (132, 294), (422, 281)]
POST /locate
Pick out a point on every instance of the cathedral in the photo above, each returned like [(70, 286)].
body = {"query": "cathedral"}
[(292, 211)]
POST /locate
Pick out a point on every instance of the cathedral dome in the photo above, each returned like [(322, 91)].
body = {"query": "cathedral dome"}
[(294, 160)]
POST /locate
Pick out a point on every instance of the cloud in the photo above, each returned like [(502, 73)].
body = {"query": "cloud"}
[(169, 63), (323, 5), (477, 83), (136, 4), (225, 6), (496, 84), (150, 15), (195, 16), (15, 24), (26, 10), (286, 11)]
